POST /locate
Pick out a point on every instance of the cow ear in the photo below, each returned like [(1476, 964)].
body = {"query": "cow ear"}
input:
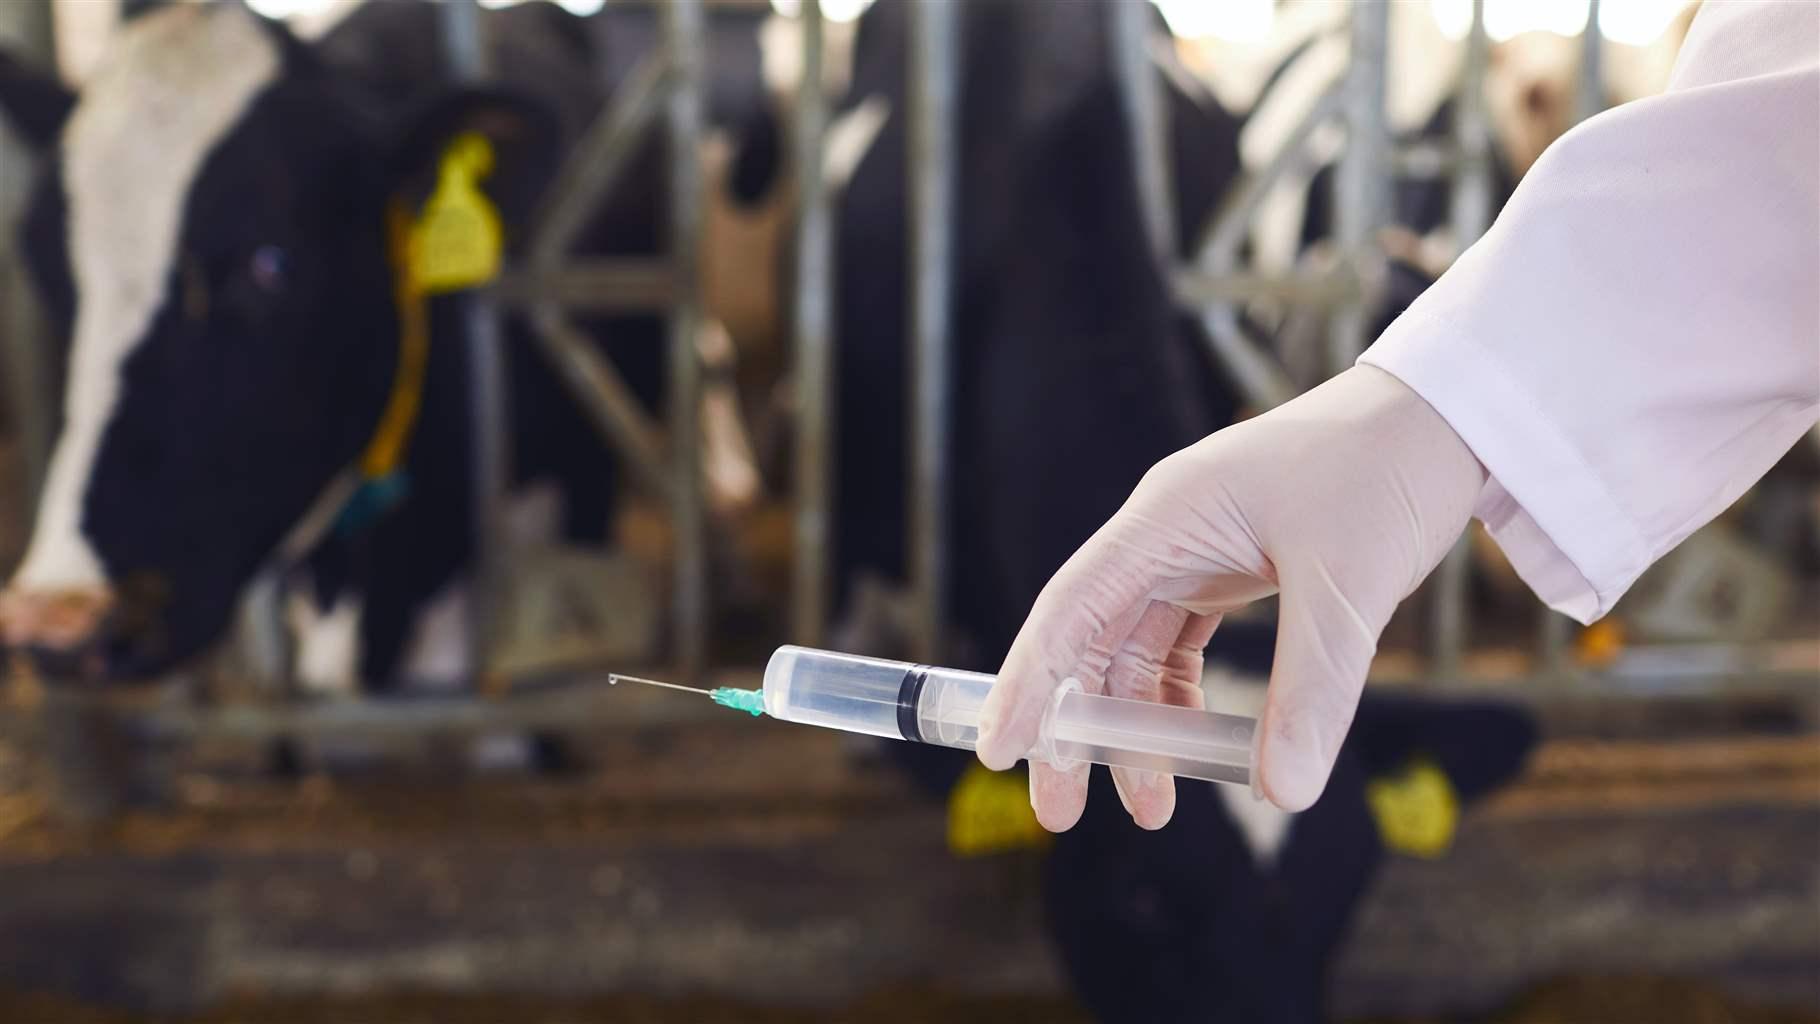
[(525, 137), (35, 103)]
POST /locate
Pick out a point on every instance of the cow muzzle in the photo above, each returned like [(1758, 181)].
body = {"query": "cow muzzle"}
[(62, 630)]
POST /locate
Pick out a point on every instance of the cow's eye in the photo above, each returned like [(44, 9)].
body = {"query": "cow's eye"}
[(269, 268)]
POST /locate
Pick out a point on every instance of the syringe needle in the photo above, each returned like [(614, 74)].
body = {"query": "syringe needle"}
[(614, 677), (750, 701)]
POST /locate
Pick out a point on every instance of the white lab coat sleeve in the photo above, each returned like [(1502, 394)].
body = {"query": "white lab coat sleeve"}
[(1637, 339)]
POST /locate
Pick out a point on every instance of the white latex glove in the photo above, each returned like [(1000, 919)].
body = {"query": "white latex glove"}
[(1341, 500)]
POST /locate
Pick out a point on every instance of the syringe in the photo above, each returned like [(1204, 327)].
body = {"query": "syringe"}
[(926, 704)]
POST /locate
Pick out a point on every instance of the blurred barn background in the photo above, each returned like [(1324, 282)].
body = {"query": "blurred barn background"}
[(377, 376)]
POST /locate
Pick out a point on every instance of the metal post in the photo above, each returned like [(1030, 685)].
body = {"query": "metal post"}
[(1471, 202), (1591, 96), (1471, 198), (814, 342), (30, 394), (1555, 631), (1146, 116), (1555, 634), (682, 29), (934, 86), (1362, 182), (265, 640), (465, 51), (463, 45)]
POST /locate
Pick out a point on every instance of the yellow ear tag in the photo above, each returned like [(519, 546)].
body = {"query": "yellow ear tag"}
[(989, 812), (456, 242), (1601, 643), (1417, 810)]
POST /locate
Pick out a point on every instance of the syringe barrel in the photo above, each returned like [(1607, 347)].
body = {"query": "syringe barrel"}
[(928, 704), (836, 691)]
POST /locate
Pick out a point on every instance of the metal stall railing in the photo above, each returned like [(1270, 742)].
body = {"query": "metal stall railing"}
[(27, 29), (1361, 183), (934, 96), (552, 285), (464, 45), (812, 306), (1556, 630), (1215, 286), (683, 38), (1147, 120), (1470, 214)]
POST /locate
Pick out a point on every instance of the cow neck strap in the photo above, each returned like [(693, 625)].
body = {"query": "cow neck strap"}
[(379, 481), (385, 451), (454, 244)]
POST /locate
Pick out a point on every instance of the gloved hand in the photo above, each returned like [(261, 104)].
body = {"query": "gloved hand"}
[(1341, 501)]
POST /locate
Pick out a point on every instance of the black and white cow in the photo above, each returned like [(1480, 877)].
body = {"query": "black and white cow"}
[(1236, 911), (1073, 373), (210, 236)]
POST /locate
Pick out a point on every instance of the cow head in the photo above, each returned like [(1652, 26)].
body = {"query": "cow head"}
[(209, 235)]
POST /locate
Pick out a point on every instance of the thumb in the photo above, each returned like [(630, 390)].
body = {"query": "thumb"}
[(1101, 585), (1325, 642)]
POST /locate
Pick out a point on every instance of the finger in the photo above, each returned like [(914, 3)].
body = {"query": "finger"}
[(1101, 582), (1059, 796), (1324, 648), (1179, 683), (1136, 674), (1186, 664)]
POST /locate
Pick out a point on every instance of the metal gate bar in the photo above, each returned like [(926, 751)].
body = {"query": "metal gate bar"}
[(490, 423), (24, 347), (1147, 120), (1362, 181), (1470, 213), (934, 94), (683, 38), (813, 316)]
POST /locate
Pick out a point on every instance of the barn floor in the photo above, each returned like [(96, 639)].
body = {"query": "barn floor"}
[(757, 873), (1654, 866), (1595, 1001)]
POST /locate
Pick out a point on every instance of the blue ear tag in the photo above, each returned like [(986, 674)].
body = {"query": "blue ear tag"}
[(372, 499)]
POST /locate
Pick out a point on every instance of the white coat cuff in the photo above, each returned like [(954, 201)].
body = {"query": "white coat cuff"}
[(1548, 510)]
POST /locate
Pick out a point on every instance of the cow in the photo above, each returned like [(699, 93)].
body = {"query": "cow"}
[(1057, 304), (1073, 372), (1237, 911), (211, 239)]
